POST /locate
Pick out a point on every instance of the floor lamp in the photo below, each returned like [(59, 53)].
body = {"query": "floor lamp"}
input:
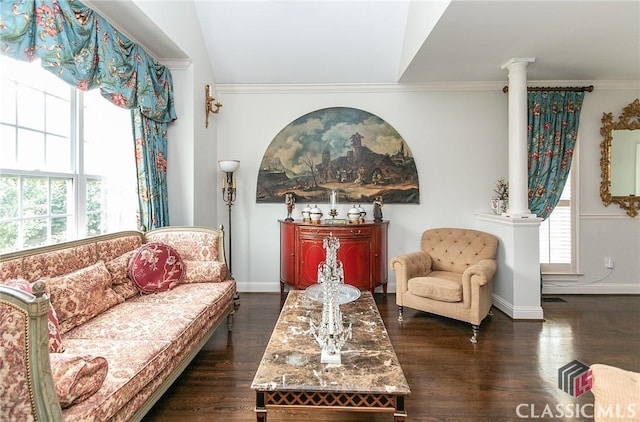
[(229, 196)]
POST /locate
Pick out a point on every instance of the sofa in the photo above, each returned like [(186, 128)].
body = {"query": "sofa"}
[(451, 275), (616, 394), (98, 329)]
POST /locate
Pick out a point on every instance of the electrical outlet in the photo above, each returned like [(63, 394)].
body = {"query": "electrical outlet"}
[(608, 262)]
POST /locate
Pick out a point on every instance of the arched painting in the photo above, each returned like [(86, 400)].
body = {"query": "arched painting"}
[(348, 150)]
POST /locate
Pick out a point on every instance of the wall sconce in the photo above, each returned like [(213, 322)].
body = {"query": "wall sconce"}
[(229, 195), (209, 105)]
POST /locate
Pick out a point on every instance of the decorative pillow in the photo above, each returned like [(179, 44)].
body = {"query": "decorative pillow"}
[(121, 283), (204, 271), (191, 245), (82, 295), (55, 340), (77, 377), (126, 290), (118, 267), (156, 267)]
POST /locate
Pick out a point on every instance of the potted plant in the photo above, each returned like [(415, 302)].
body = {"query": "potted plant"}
[(500, 200)]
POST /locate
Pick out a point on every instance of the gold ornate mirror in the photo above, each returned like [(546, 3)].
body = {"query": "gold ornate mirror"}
[(620, 159)]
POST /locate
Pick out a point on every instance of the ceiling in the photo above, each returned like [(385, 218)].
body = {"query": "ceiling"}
[(400, 41)]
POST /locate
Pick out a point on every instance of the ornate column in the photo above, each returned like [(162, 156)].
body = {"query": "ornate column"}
[(518, 173)]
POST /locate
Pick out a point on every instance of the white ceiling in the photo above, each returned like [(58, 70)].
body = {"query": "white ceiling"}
[(369, 41)]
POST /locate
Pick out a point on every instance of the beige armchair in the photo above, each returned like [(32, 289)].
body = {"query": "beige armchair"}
[(452, 275)]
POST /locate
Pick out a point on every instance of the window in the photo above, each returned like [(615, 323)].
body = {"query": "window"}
[(557, 250), (67, 166)]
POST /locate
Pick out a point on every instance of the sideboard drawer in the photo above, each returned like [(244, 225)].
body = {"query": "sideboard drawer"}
[(337, 231)]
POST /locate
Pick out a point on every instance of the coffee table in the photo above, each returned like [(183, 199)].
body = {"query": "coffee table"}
[(290, 374)]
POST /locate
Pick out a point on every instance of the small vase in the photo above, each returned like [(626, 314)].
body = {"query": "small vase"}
[(499, 206)]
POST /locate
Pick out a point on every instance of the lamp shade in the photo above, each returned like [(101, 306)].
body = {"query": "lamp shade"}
[(229, 166)]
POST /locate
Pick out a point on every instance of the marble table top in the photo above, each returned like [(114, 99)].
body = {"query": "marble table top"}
[(291, 360)]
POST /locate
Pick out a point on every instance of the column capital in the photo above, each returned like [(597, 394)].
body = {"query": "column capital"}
[(517, 62)]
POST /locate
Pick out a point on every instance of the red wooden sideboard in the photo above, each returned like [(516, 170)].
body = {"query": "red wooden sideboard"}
[(363, 252)]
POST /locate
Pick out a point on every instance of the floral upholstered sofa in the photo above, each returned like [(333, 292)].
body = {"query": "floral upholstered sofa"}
[(114, 338)]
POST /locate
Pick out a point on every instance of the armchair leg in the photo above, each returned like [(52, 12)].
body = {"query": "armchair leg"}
[(475, 329), (400, 309)]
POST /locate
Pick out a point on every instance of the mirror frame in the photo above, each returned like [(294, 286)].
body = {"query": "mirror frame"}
[(629, 120)]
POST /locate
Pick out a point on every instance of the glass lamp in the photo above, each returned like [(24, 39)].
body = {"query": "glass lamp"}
[(229, 166)]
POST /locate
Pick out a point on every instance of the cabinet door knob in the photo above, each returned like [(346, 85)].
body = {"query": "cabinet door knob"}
[(355, 232)]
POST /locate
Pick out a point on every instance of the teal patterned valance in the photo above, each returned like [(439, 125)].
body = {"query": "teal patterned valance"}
[(79, 46)]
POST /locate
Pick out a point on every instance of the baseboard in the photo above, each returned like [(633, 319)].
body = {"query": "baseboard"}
[(590, 289), (258, 286), (271, 287), (518, 312)]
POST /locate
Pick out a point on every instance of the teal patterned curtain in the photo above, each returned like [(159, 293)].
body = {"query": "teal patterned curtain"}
[(553, 122), (151, 165), (82, 48)]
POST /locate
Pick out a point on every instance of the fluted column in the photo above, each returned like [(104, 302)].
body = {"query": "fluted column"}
[(518, 154)]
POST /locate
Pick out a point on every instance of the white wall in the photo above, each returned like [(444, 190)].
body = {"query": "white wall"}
[(602, 231), (459, 140), (458, 136)]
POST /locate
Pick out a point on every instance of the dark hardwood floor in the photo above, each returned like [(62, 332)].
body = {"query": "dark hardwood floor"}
[(510, 374)]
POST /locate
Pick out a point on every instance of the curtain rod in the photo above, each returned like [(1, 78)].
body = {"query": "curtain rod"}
[(548, 88)]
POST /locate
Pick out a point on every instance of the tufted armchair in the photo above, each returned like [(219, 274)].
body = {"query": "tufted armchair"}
[(452, 275)]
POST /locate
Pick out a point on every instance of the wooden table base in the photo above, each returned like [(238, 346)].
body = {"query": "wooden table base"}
[(357, 402)]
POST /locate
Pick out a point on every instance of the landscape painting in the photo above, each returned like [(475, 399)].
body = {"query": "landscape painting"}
[(347, 150)]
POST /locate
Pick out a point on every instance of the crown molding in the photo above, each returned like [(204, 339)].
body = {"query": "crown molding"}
[(374, 88), (176, 64), (616, 85), (357, 88)]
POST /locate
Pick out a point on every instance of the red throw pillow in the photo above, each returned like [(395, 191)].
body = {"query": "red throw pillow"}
[(55, 340), (156, 267)]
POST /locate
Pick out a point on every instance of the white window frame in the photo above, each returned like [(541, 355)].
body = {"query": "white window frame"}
[(77, 207), (549, 270)]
